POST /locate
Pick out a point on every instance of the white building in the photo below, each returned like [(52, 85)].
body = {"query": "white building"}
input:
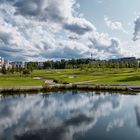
[(18, 64), (1, 62), (8, 64), (4, 63), (41, 64)]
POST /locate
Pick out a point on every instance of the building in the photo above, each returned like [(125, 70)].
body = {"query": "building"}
[(7, 64), (18, 64), (4, 63), (129, 60), (40, 64), (138, 60), (1, 62)]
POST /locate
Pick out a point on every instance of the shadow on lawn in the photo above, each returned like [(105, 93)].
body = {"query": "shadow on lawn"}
[(132, 78)]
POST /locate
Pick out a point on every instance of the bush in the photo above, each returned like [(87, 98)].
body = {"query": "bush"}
[(55, 81), (65, 83), (3, 70), (26, 72)]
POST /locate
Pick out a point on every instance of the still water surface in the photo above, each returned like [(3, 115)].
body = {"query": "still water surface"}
[(70, 116)]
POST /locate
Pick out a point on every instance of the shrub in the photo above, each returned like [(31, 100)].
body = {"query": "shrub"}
[(26, 72)]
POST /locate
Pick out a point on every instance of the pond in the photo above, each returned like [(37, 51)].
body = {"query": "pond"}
[(70, 116)]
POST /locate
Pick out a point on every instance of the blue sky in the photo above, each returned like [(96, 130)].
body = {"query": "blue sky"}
[(54, 29), (123, 11)]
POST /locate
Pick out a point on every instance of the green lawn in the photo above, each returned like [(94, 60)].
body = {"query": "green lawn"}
[(17, 80), (95, 76)]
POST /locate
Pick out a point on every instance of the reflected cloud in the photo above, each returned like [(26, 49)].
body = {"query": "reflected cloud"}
[(117, 123), (58, 116)]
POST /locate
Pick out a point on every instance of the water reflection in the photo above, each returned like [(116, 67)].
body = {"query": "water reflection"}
[(58, 116), (137, 110)]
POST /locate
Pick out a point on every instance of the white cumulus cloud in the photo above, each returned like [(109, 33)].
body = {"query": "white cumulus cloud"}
[(114, 25), (50, 29)]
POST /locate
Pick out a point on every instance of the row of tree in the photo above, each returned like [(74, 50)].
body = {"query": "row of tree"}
[(73, 63), (78, 63)]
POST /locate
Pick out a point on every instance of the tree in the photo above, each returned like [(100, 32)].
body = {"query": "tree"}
[(3, 70), (25, 72), (30, 67), (135, 65), (12, 70)]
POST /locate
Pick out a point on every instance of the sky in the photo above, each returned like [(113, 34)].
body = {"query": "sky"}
[(38, 30)]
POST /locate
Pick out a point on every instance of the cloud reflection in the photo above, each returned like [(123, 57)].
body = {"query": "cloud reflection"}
[(137, 111), (58, 116)]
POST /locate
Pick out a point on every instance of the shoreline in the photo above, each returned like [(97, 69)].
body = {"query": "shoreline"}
[(56, 87)]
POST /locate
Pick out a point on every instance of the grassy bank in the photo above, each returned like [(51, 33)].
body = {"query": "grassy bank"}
[(15, 90), (85, 87), (58, 87)]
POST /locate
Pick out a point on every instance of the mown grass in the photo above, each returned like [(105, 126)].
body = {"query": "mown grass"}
[(92, 76), (18, 80)]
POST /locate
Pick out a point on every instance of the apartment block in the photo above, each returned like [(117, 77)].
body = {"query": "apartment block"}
[(1, 62)]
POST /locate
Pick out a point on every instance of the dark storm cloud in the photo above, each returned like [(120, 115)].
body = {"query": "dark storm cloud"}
[(64, 52), (39, 8), (77, 28), (9, 49), (29, 7), (12, 53), (5, 37), (73, 37), (137, 29)]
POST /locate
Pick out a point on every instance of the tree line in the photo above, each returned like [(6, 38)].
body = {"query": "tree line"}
[(79, 63), (71, 64)]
